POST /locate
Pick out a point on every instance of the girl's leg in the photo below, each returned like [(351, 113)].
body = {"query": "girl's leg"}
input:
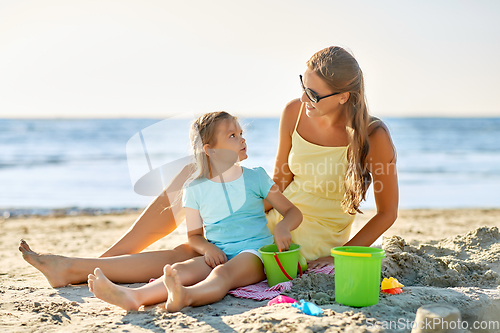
[(189, 272), (244, 269), (140, 267)]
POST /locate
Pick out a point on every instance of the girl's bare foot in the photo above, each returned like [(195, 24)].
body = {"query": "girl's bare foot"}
[(177, 294), (106, 290), (55, 268)]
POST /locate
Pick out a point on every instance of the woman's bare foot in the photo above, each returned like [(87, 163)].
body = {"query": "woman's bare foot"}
[(177, 294), (106, 290), (55, 268)]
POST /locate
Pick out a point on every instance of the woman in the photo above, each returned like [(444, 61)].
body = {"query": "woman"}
[(329, 152)]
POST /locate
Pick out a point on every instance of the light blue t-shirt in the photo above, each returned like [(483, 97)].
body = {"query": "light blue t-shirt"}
[(233, 212)]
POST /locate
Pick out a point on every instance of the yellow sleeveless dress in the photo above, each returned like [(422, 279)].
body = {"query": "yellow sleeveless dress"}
[(317, 190)]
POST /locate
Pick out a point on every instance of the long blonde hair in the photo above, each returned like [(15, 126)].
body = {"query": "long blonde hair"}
[(341, 72), (203, 132)]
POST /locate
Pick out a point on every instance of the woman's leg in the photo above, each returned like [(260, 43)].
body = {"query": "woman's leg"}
[(155, 222), (121, 262), (189, 272), (244, 269), (140, 267)]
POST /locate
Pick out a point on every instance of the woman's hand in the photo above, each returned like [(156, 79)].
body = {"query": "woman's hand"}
[(320, 262), (282, 237), (214, 256)]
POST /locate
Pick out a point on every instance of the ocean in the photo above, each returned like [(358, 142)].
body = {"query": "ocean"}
[(100, 164)]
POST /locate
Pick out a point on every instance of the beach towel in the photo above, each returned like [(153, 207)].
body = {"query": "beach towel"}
[(261, 291)]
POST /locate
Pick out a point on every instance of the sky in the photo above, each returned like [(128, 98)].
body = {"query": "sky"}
[(161, 58)]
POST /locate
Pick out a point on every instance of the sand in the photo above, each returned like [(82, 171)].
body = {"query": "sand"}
[(441, 256)]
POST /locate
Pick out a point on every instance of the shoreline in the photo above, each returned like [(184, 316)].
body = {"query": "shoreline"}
[(8, 213), (16, 212)]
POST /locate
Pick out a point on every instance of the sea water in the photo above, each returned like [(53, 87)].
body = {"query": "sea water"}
[(441, 162)]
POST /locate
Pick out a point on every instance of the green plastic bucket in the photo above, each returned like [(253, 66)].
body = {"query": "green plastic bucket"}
[(272, 260), (357, 275)]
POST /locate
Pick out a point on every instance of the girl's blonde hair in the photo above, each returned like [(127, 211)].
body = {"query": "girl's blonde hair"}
[(341, 72), (203, 132)]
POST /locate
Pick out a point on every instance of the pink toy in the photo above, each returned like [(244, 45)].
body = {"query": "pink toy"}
[(281, 299)]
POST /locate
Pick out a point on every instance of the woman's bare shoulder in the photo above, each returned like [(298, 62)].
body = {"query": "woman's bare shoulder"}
[(290, 114), (292, 109), (376, 123), (381, 145)]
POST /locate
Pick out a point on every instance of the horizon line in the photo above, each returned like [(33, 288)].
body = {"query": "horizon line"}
[(244, 117)]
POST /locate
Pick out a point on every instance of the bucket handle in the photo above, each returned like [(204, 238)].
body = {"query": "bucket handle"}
[(283, 270)]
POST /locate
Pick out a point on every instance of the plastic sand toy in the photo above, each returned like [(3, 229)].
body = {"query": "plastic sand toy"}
[(281, 299), (391, 286), (280, 266), (357, 275), (308, 308)]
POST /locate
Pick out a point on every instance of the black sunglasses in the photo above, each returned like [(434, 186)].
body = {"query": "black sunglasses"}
[(312, 95)]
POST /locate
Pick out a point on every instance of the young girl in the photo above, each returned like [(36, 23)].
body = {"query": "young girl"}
[(224, 201)]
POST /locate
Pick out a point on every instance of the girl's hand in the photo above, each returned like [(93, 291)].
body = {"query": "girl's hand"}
[(214, 256), (320, 262), (282, 237)]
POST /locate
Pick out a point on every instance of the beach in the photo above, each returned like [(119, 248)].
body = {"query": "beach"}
[(449, 256), (98, 116)]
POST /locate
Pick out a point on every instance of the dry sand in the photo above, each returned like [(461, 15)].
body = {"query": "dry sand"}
[(442, 256)]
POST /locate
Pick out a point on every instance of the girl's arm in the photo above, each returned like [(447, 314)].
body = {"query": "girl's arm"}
[(382, 164), (292, 217), (155, 221), (213, 255), (282, 175)]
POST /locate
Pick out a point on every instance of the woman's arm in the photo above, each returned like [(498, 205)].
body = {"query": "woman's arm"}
[(155, 221), (282, 175), (292, 217), (213, 255), (382, 165)]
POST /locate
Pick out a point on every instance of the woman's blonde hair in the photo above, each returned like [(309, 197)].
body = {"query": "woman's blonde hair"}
[(341, 72)]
